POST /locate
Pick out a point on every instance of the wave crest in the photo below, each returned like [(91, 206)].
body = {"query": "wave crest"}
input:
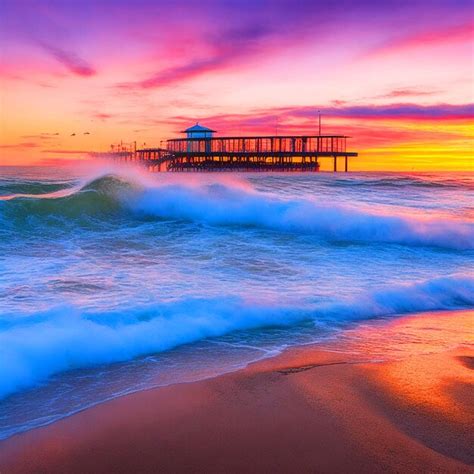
[(100, 198), (228, 205)]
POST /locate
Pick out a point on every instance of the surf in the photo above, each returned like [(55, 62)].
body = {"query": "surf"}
[(232, 204), (34, 347)]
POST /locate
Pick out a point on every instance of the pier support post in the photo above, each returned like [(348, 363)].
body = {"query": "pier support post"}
[(345, 163), (335, 164)]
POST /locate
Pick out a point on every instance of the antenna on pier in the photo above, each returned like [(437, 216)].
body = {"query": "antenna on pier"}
[(319, 121)]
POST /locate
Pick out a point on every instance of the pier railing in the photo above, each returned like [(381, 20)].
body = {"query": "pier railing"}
[(298, 145)]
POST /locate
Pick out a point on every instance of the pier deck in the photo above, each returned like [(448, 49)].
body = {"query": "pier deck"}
[(263, 153)]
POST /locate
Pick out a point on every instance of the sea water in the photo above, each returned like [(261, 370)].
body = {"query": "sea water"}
[(118, 280)]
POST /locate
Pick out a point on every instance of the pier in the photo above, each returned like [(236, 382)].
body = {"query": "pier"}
[(201, 151)]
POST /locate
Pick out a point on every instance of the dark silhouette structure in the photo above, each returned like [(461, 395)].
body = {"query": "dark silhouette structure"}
[(202, 151)]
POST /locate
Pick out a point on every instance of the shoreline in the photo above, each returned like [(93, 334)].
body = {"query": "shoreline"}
[(327, 344), (306, 409)]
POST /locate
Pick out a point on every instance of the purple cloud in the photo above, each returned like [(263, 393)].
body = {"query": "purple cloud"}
[(297, 119), (392, 111), (70, 60)]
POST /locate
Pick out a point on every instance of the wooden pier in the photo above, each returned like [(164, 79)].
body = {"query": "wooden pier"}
[(264, 153)]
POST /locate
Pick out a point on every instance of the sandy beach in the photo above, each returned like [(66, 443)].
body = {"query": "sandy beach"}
[(308, 410)]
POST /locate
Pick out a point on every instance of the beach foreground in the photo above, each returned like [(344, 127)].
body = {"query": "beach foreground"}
[(308, 410)]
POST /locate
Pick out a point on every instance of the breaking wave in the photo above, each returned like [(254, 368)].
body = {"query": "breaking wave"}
[(35, 347), (221, 205), (230, 205)]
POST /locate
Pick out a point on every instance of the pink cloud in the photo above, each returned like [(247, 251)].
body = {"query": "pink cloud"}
[(102, 116), (68, 152), (180, 73), (432, 37), (407, 92), (42, 136), (213, 53)]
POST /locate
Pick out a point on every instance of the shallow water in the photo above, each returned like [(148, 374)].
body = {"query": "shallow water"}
[(122, 280)]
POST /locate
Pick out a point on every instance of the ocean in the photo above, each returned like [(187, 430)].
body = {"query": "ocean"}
[(114, 280)]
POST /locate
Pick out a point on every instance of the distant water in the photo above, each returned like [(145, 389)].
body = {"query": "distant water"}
[(122, 280)]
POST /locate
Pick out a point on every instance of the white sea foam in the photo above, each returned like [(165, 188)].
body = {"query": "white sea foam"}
[(218, 204), (35, 347)]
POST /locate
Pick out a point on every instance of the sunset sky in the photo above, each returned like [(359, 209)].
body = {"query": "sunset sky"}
[(397, 76)]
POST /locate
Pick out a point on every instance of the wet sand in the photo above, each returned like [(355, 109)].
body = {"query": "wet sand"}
[(308, 410)]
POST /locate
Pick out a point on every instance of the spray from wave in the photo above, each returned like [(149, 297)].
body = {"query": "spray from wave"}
[(35, 347), (236, 205)]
